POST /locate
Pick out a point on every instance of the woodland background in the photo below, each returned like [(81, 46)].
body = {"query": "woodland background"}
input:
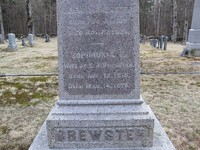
[(158, 17)]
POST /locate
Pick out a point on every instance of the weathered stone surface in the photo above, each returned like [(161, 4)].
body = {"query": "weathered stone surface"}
[(160, 142), (193, 44), (100, 104), (12, 42), (30, 39), (98, 49), (100, 126)]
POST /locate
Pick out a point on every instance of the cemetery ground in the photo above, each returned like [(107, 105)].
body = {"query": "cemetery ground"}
[(26, 101)]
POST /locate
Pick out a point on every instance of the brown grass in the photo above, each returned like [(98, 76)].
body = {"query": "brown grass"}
[(25, 102), (41, 57)]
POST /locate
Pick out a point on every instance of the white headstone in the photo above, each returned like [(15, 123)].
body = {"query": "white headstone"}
[(12, 41), (30, 39)]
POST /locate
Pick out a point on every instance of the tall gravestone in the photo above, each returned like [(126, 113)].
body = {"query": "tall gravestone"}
[(99, 102), (12, 41), (193, 44)]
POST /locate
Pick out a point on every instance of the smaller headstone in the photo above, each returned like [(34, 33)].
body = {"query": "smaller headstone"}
[(161, 41), (151, 42), (185, 52), (1, 39), (142, 39), (165, 42), (30, 39), (23, 42), (12, 41), (47, 38), (157, 42)]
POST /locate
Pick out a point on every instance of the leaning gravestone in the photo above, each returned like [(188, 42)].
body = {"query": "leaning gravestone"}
[(12, 41), (23, 42), (193, 45), (30, 39), (99, 91)]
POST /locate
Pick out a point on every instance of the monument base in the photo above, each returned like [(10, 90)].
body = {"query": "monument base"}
[(191, 50), (115, 131), (193, 45)]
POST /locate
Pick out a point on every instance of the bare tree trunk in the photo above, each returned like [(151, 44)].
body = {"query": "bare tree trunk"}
[(158, 21), (155, 16), (175, 24), (186, 22), (50, 21), (30, 23), (1, 24), (45, 21)]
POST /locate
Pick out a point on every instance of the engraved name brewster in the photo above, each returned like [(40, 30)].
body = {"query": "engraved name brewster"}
[(114, 134), (98, 54)]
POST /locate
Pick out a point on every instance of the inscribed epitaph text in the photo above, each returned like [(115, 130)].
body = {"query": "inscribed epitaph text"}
[(97, 48)]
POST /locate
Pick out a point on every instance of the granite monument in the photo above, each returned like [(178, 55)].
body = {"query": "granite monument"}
[(193, 45), (100, 106)]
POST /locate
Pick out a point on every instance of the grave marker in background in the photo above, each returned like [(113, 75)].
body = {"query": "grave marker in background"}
[(23, 42), (165, 42), (47, 38), (161, 41), (12, 41), (30, 39)]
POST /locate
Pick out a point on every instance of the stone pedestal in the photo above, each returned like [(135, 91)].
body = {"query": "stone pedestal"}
[(193, 44), (82, 131), (100, 124), (12, 42)]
